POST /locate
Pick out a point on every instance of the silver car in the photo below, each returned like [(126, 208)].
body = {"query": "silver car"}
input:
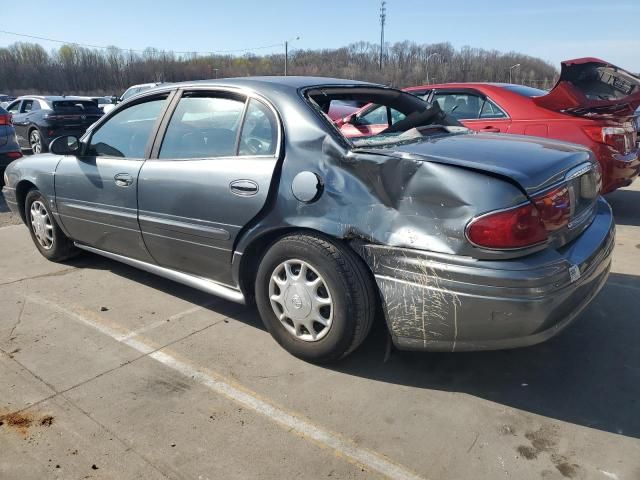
[(245, 188)]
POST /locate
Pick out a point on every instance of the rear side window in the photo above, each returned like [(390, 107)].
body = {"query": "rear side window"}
[(203, 127), (259, 130), (127, 133), (461, 106)]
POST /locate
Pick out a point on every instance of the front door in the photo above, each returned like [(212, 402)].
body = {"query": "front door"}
[(96, 192), (210, 177)]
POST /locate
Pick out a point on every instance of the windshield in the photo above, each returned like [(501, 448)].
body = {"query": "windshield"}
[(389, 117)]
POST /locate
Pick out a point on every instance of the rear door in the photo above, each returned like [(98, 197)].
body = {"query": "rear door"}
[(210, 176), (473, 109), (96, 193)]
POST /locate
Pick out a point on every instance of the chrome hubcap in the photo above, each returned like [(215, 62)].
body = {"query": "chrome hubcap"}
[(41, 224), (301, 300), (36, 144)]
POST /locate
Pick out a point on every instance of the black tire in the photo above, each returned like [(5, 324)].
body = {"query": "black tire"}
[(44, 147), (346, 277), (61, 247)]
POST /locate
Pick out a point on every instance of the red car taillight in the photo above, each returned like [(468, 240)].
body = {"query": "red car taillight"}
[(622, 138), (5, 119), (14, 155), (524, 225)]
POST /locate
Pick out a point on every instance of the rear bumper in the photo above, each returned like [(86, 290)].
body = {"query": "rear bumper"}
[(451, 303), (621, 170)]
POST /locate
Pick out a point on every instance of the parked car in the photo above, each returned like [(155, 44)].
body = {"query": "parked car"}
[(592, 104), (135, 89), (38, 120), (245, 188), (9, 148), (5, 100), (106, 104)]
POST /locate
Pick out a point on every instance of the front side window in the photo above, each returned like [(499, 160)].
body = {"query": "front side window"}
[(127, 133), (14, 107), (259, 130), (203, 127)]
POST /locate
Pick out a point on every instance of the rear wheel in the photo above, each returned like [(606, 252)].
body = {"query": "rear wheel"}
[(36, 142), (52, 243), (315, 297)]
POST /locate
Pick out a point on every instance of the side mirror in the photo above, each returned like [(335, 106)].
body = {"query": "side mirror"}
[(67, 145)]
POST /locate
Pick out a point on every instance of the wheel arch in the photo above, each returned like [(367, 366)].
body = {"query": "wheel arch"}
[(247, 266), (23, 187)]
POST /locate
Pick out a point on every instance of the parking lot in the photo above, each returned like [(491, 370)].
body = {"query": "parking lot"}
[(110, 372)]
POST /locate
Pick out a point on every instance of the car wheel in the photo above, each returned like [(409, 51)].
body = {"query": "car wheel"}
[(52, 243), (315, 297), (36, 142)]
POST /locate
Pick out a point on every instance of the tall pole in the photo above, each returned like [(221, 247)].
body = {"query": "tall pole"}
[(286, 56), (383, 19), (511, 70), (434, 54)]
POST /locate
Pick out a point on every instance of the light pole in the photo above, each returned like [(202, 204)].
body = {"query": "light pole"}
[(434, 54), (286, 54), (383, 20), (511, 70)]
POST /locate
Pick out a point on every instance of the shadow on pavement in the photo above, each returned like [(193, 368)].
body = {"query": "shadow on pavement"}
[(626, 206), (589, 375)]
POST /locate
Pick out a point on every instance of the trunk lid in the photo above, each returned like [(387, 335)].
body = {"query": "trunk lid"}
[(591, 87), (531, 162), (561, 179)]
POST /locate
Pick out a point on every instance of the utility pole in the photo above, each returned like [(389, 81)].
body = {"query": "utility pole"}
[(383, 20), (286, 54), (517, 65)]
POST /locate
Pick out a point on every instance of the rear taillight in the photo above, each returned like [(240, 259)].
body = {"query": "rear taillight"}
[(525, 225), (622, 138), (14, 155), (554, 207), (5, 119), (517, 227)]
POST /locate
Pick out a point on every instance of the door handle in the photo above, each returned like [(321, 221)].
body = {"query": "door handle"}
[(491, 129), (244, 188), (123, 179)]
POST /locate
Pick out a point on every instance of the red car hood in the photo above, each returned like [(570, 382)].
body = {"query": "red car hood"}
[(593, 87)]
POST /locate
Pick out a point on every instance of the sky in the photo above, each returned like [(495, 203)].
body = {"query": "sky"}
[(552, 30)]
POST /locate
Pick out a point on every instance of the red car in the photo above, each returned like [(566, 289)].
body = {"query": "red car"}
[(593, 104)]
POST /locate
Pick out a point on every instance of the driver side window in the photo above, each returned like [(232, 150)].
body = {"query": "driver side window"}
[(126, 134), (378, 116)]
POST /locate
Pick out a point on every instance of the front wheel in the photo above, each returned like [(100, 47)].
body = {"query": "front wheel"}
[(315, 297), (50, 240)]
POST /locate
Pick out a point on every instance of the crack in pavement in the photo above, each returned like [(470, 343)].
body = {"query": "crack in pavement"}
[(24, 302), (44, 275)]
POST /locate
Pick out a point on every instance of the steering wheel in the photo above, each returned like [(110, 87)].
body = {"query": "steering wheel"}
[(255, 145)]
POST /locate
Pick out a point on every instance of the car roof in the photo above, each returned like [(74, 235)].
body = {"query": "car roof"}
[(267, 82), (50, 98)]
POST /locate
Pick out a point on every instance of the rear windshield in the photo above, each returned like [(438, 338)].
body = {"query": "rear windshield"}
[(389, 117), (76, 106), (525, 91)]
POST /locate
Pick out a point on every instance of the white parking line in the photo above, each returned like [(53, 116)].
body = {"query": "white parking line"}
[(216, 382), (172, 318)]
